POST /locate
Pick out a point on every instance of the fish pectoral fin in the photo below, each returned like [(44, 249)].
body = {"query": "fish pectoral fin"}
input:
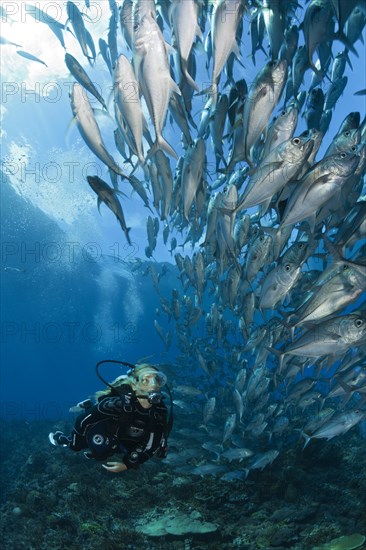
[(332, 335), (322, 180), (188, 77)]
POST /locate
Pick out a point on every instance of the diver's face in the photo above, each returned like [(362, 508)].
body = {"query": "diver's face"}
[(150, 382)]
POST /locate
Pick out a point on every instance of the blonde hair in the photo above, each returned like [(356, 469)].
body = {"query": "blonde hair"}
[(129, 379)]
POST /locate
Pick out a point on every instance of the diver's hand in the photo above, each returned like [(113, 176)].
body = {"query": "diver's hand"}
[(115, 467)]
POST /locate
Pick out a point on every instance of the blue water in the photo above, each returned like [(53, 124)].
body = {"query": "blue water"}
[(63, 309), (72, 295), (66, 304)]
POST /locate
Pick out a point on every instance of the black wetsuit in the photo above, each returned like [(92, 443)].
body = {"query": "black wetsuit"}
[(121, 425)]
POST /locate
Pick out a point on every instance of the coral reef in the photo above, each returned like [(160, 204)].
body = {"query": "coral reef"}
[(52, 499)]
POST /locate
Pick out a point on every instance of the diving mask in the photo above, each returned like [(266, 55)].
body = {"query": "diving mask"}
[(150, 381)]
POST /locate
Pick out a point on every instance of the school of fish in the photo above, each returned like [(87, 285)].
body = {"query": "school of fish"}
[(268, 311)]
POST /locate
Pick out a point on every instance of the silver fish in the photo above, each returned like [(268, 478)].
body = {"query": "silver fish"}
[(277, 283), (229, 427), (237, 454), (183, 16), (82, 77), (108, 195), (224, 25), (104, 50), (77, 22), (263, 96), (334, 336), (5, 42), (281, 129), (126, 21), (150, 59), (257, 255), (31, 57), (166, 181), (89, 129), (275, 23), (334, 92), (192, 173), (209, 410), (336, 293), (289, 46), (275, 171), (316, 20), (263, 460), (338, 424), (126, 94), (317, 186), (300, 64)]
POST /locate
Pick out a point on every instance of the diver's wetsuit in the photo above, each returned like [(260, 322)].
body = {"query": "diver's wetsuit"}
[(121, 425)]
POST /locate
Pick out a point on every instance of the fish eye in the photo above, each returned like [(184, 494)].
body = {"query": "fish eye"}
[(261, 238), (347, 133), (296, 141), (359, 323), (287, 267), (343, 155), (301, 245), (354, 148)]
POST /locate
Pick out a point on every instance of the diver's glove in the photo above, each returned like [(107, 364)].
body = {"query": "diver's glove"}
[(115, 467)]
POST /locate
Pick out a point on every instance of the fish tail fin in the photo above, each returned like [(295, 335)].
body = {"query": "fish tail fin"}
[(348, 59), (340, 35), (318, 72), (149, 208), (162, 144), (141, 163), (306, 437), (187, 76), (126, 231)]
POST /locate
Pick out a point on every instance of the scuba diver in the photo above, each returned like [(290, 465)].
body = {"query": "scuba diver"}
[(129, 418)]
